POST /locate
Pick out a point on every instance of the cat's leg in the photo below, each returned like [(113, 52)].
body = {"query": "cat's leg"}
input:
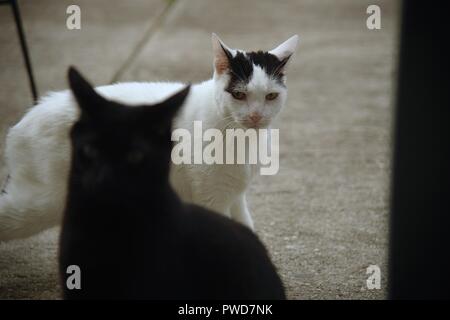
[(215, 199), (25, 213), (28, 202), (239, 212), (211, 201)]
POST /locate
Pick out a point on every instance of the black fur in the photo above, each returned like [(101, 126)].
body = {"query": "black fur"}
[(126, 228), (241, 66)]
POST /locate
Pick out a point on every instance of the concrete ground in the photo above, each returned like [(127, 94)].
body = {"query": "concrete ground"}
[(324, 215)]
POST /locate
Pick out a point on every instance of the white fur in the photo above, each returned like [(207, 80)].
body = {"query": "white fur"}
[(38, 150), (286, 49)]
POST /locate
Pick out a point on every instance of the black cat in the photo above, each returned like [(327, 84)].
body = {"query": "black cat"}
[(127, 230)]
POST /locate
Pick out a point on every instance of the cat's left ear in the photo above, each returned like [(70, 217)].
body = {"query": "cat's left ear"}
[(285, 50), (88, 99)]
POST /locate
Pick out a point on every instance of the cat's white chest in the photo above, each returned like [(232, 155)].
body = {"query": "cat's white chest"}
[(215, 186)]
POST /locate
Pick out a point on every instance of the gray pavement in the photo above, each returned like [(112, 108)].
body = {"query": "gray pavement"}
[(324, 216)]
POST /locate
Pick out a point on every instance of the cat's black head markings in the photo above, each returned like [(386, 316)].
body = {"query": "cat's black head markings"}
[(241, 66), (114, 144)]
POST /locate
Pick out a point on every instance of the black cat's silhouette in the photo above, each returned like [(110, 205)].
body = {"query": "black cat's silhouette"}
[(127, 230)]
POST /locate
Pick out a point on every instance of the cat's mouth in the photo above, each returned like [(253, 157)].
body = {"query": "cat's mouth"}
[(248, 124)]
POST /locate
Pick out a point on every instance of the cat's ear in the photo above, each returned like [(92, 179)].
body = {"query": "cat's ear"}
[(285, 50), (88, 99), (168, 108), (161, 115), (222, 54)]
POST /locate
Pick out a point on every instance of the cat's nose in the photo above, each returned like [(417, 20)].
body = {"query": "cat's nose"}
[(255, 117)]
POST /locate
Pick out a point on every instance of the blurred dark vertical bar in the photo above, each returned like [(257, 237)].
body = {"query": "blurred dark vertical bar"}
[(420, 211)]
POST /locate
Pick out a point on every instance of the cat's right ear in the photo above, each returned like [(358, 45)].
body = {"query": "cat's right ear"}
[(162, 114), (88, 99), (171, 105), (222, 55)]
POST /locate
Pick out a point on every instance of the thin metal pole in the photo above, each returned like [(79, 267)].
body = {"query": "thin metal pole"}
[(24, 48)]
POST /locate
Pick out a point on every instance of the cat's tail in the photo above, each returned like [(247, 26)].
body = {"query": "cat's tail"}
[(21, 222)]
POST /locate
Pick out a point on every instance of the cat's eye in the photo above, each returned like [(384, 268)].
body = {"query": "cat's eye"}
[(89, 151), (135, 157), (272, 96), (239, 95)]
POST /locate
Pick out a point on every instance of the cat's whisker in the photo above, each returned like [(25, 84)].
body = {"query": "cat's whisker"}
[(221, 121)]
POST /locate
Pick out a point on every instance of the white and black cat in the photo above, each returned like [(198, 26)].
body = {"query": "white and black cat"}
[(248, 90), (127, 230)]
